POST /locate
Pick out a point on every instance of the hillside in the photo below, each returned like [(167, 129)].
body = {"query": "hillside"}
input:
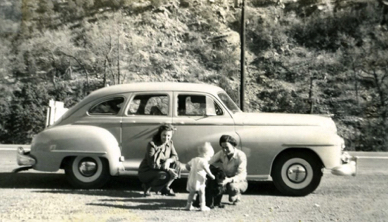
[(306, 56)]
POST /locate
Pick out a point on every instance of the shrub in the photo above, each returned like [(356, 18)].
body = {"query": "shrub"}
[(27, 114)]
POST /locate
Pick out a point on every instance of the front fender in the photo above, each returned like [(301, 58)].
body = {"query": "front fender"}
[(51, 146), (263, 144)]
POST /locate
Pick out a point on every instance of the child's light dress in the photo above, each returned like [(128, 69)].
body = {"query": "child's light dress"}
[(197, 176)]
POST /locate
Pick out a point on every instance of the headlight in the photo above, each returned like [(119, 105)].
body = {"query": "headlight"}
[(346, 157)]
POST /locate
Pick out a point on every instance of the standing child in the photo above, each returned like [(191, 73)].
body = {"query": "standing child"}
[(199, 168)]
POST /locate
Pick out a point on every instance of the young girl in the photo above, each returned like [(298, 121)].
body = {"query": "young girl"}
[(199, 167)]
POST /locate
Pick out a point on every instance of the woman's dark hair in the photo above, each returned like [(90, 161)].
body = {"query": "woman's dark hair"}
[(229, 139), (165, 127)]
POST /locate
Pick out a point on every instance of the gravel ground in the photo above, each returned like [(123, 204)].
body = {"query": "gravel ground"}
[(33, 196)]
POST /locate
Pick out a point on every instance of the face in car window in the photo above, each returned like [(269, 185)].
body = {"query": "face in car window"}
[(197, 105), (109, 107), (149, 104)]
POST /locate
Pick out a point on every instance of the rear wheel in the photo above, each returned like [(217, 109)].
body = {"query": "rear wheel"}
[(87, 172), (297, 174)]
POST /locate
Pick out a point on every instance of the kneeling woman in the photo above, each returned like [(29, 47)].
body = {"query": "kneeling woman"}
[(160, 166)]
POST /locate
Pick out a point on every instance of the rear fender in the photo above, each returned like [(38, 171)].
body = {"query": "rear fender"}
[(53, 145)]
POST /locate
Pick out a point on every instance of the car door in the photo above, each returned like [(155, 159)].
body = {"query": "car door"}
[(199, 118), (141, 120)]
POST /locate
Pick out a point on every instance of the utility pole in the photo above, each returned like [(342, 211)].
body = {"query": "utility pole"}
[(118, 59), (242, 39), (118, 46)]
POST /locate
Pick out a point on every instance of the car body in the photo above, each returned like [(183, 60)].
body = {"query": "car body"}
[(106, 134)]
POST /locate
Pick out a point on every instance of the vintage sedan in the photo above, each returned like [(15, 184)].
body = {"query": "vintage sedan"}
[(106, 134)]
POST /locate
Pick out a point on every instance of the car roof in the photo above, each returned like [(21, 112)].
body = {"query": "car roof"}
[(156, 86), (143, 87)]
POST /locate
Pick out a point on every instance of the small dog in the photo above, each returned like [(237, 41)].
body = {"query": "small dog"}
[(214, 190)]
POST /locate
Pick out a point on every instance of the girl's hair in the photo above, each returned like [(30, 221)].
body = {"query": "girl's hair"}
[(229, 139), (166, 127), (206, 149)]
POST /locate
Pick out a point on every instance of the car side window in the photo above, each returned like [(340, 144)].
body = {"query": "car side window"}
[(197, 105), (108, 107), (149, 104)]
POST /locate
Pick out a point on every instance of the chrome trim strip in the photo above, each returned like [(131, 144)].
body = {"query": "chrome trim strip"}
[(200, 124), (280, 124), (258, 177), (78, 152), (307, 145)]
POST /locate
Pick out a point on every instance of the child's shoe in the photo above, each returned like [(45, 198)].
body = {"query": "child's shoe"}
[(189, 207), (205, 208)]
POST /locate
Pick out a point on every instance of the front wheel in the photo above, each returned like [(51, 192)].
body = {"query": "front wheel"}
[(297, 174), (87, 172)]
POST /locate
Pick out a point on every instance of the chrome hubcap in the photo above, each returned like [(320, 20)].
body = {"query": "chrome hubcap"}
[(87, 167), (297, 173)]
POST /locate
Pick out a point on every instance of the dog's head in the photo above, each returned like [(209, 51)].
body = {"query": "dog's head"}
[(218, 174)]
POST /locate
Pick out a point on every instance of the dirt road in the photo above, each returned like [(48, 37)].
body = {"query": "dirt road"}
[(33, 196)]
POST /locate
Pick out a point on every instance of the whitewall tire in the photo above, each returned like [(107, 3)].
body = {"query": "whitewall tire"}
[(87, 172), (297, 173)]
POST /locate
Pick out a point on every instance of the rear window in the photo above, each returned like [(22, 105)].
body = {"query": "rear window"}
[(108, 107)]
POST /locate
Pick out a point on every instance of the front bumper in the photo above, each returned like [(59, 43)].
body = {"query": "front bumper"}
[(24, 158), (349, 166)]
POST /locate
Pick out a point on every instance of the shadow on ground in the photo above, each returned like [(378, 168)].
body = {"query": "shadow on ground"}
[(123, 186), (144, 204)]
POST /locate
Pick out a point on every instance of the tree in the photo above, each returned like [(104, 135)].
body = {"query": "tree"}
[(5, 63), (51, 54), (85, 4), (29, 15), (45, 6), (27, 115), (112, 42), (46, 13), (6, 88)]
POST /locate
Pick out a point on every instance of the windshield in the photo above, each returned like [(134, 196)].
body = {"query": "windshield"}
[(228, 102)]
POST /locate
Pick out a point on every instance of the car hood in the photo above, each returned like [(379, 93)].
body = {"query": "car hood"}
[(280, 119)]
